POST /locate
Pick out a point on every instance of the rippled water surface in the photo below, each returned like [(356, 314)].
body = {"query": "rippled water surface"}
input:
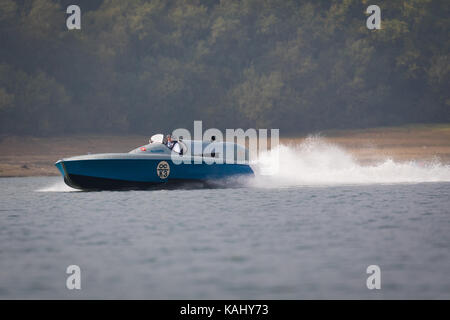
[(256, 242)]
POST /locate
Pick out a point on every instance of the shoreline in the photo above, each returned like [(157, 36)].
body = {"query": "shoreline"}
[(35, 156)]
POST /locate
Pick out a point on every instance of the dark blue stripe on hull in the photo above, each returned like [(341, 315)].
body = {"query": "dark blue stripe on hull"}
[(95, 183)]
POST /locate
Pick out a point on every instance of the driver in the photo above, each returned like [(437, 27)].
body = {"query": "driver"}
[(173, 145), (170, 143)]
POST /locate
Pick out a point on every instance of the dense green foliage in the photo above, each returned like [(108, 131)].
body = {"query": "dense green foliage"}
[(150, 65)]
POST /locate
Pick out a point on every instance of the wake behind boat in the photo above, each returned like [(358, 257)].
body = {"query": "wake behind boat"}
[(162, 162)]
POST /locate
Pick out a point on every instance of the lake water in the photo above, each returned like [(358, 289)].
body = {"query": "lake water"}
[(308, 234)]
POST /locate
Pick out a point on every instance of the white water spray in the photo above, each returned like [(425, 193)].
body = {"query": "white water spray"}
[(58, 186), (316, 162)]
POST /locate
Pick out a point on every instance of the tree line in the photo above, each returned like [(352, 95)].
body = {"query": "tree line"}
[(144, 66)]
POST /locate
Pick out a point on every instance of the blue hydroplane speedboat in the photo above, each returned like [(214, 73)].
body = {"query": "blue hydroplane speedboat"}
[(159, 163)]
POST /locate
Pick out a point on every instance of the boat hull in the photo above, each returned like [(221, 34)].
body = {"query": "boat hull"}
[(110, 172), (95, 183)]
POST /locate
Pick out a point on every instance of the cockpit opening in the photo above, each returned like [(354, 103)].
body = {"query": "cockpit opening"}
[(176, 145)]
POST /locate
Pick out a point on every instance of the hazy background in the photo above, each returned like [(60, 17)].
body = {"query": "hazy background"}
[(147, 66), (339, 202)]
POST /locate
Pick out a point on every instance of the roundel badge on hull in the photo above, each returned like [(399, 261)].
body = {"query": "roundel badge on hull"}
[(163, 169)]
